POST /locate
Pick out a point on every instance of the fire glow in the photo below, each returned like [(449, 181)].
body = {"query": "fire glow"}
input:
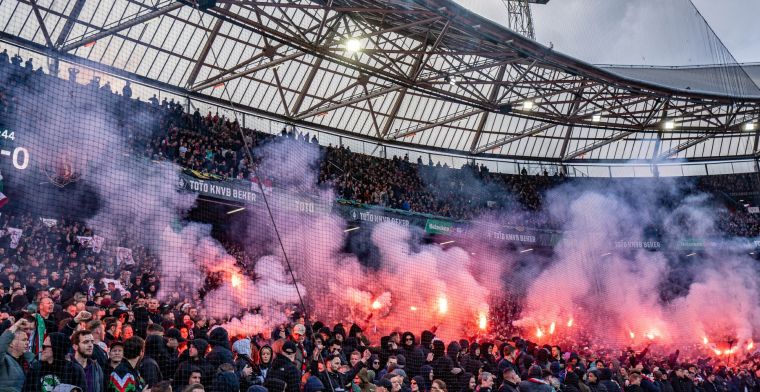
[(443, 305), (236, 280), (482, 321)]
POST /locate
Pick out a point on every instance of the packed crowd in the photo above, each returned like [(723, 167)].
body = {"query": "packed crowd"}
[(216, 146), (113, 344)]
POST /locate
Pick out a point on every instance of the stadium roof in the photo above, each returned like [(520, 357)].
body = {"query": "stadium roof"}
[(427, 73)]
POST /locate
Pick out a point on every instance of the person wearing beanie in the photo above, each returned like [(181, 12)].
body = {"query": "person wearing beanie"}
[(126, 375), (246, 369), (313, 384), (226, 380), (53, 368), (384, 385), (284, 368), (220, 353), (535, 382), (194, 357)]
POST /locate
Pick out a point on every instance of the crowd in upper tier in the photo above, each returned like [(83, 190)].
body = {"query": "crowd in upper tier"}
[(217, 145)]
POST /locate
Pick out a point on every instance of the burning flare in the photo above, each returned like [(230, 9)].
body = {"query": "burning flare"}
[(539, 332), (569, 323), (482, 321), (750, 345), (443, 305), (717, 352), (376, 305), (236, 280), (632, 335), (551, 328), (413, 308), (704, 340)]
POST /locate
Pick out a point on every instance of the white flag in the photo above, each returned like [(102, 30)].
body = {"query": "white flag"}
[(97, 243), (15, 236), (86, 242), (49, 222), (124, 255)]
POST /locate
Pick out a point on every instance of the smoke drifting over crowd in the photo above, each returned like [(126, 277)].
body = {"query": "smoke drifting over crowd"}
[(588, 286)]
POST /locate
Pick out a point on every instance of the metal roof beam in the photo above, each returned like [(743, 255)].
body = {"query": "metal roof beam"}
[(357, 99), (249, 71), (123, 26), (443, 121), (206, 48), (45, 32), (619, 136), (683, 146), (71, 19), (534, 130)]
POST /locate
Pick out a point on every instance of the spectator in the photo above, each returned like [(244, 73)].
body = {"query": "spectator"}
[(54, 368), (126, 372), (84, 345), (284, 368), (14, 357)]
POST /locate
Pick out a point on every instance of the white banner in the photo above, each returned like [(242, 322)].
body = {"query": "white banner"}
[(15, 236), (124, 255), (753, 210), (86, 242), (49, 222), (97, 243), (116, 283)]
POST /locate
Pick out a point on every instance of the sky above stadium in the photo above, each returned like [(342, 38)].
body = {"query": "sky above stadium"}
[(642, 32)]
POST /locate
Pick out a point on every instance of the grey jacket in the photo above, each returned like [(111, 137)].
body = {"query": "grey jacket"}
[(11, 373)]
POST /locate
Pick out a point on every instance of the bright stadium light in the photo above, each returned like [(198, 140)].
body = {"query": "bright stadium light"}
[(596, 118), (528, 105), (750, 126), (353, 45), (670, 124)]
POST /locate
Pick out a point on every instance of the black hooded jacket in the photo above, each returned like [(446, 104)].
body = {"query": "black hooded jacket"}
[(186, 364), (414, 355), (220, 348), (442, 364), (45, 376), (285, 370)]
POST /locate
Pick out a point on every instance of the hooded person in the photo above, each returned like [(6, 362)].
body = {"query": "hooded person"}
[(266, 356), (365, 382), (471, 362), (442, 364), (571, 383), (426, 342), (155, 356), (419, 382), (356, 332), (194, 356), (605, 379), (535, 382), (414, 355), (53, 368), (426, 371), (226, 380), (594, 382), (220, 353)]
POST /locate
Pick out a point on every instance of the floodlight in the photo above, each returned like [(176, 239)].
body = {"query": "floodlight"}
[(750, 126), (353, 45), (528, 105), (670, 124), (596, 118)]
